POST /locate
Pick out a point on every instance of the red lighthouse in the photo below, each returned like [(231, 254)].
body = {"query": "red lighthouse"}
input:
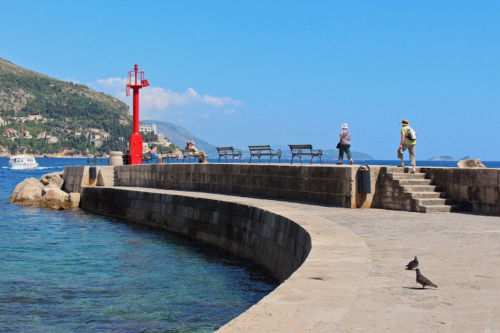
[(135, 81)]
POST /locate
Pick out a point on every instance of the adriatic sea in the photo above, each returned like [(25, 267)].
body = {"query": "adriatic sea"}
[(70, 271)]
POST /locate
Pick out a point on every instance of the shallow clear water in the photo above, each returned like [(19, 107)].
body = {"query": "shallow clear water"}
[(68, 271)]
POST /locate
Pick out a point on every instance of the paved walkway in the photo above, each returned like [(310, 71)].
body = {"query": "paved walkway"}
[(354, 279), (458, 252)]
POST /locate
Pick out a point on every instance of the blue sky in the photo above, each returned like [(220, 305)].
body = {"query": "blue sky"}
[(280, 72)]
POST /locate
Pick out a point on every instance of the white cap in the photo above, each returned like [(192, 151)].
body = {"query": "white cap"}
[(344, 126)]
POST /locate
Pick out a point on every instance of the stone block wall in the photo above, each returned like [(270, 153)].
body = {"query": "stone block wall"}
[(475, 189), (74, 178), (270, 240), (327, 184), (389, 195), (77, 177)]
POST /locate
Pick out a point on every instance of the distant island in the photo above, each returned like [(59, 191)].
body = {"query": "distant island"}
[(447, 158)]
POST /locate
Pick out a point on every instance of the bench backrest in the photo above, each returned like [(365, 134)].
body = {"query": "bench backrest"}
[(170, 155), (223, 149), (264, 147), (298, 147)]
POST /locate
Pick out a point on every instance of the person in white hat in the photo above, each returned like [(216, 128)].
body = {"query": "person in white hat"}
[(345, 144)]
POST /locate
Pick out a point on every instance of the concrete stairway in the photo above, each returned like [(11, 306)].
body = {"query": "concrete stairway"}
[(427, 197), (106, 176)]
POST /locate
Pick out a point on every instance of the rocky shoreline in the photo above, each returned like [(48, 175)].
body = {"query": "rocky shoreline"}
[(44, 192)]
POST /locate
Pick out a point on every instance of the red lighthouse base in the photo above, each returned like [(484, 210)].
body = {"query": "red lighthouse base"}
[(135, 148)]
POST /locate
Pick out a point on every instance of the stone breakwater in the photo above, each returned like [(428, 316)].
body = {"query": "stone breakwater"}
[(268, 239), (320, 263), (471, 189)]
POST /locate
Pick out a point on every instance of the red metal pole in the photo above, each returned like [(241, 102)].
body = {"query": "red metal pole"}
[(135, 139), (136, 110)]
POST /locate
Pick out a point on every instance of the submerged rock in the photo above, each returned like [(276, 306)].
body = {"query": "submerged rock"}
[(44, 192)]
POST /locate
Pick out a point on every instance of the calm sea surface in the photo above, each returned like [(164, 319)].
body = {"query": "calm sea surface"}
[(69, 271)]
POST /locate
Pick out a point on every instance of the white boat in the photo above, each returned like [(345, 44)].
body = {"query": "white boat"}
[(22, 162)]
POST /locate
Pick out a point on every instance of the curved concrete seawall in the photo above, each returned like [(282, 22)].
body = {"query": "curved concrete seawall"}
[(268, 239), (326, 269), (320, 263)]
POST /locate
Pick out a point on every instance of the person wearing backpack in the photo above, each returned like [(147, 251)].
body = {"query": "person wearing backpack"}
[(408, 141)]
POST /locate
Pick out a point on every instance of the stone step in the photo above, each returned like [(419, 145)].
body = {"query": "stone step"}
[(426, 195), (406, 169), (400, 175), (420, 188), (414, 182), (439, 208), (434, 201)]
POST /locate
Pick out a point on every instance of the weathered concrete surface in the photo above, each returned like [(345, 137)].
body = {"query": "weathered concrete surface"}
[(354, 279), (458, 252)]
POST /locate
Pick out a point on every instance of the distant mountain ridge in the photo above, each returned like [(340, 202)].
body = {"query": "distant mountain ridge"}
[(178, 135)]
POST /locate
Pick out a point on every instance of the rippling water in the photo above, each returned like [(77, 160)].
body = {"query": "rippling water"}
[(69, 271)]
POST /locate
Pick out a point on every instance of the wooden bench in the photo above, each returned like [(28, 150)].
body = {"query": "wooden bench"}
[(94, 159), (170, 157), (264, 150), (146, 158), (305, 150), (191, 154), (228, 151)]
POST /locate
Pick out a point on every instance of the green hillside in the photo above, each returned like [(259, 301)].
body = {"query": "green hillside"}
[(42, 115)]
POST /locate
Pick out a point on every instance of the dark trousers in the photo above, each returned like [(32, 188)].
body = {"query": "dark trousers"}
[(347, 150)]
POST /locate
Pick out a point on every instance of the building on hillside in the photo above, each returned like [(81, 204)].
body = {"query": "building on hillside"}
[(35, 117), (2, 122), (106, 135), (41, 135), (148, 128), (11, 133), (51, 139), (27, 134)]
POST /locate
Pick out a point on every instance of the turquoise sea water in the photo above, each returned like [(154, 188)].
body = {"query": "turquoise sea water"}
[(69, 271)]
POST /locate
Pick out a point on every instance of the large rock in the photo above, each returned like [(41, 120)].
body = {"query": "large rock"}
[(54, 179), (470, 163), (28, 192), (45, 192), (53, 198), (74, 200)]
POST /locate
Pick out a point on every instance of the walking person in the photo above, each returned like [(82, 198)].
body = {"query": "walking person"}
[(345, 144), (408, 141)]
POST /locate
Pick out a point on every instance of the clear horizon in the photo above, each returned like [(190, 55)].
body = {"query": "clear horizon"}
[(244, 73)]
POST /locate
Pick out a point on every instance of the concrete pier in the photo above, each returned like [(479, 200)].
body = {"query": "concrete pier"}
[(342, 268)]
